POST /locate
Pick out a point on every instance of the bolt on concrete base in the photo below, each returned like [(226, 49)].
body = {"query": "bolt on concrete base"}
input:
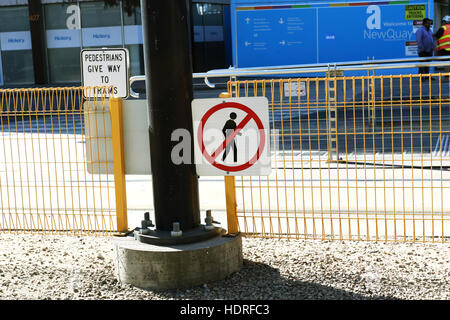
[(149, 266)]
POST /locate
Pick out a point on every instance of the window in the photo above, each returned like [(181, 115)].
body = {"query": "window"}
[(63, 34), (14, 19), (15, 39), (97, 14), (133, 19), (208, 45), (101, 25), (133, 41)]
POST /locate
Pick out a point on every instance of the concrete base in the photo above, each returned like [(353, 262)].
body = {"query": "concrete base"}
[(177, 266)]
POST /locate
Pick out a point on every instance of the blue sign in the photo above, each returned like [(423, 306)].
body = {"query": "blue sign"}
[(63, 38), (199, 34), (133, 34), (103, 36), (71, 38), (376, 31), (20, 40), (273, 37), (272, 34)]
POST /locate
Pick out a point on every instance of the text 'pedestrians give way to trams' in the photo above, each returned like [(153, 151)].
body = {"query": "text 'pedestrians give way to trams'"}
[(106, 68)]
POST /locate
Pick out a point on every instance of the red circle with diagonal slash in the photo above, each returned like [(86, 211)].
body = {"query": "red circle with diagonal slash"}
[(253, 115)]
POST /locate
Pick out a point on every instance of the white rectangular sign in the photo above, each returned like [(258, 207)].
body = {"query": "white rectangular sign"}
[(63, 38), (102, 36), (20, 40), (105, 68), (231, 136), (292, 89), (99, 149), (411, 49)]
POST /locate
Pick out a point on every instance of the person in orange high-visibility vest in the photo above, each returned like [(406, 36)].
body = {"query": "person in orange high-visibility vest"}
[(443, 37), (443, 40)]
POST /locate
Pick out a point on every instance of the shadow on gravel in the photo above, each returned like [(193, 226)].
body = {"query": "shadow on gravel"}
[(259, 281)]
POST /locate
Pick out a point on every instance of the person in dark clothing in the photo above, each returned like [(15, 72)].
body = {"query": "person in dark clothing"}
[(425, 42), (228, 129), (443, 41)]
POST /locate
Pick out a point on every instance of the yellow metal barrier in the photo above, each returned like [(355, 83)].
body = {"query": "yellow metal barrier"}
[(45, 186), (354, 158), (119, 164)]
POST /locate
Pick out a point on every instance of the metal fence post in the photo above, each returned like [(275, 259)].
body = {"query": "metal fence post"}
[(115, 105), (230, 191), (230, 196), (332, 113)]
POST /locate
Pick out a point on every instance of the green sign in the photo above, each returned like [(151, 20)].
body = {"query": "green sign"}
[(415, 12)]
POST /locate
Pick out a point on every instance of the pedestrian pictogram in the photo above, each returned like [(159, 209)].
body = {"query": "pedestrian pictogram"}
[(228, 129), (231, 136)]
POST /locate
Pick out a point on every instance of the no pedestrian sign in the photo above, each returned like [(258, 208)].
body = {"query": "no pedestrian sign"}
[(231, 136), (107, 68)]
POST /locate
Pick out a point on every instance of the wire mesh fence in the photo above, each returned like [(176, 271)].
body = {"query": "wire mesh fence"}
[(353, 158), (46, 148)]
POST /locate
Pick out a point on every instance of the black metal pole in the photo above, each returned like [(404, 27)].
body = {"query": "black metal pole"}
[(37, 43), (168, 69)]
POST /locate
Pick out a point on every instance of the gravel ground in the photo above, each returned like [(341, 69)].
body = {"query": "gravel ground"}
[(70, 267)]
